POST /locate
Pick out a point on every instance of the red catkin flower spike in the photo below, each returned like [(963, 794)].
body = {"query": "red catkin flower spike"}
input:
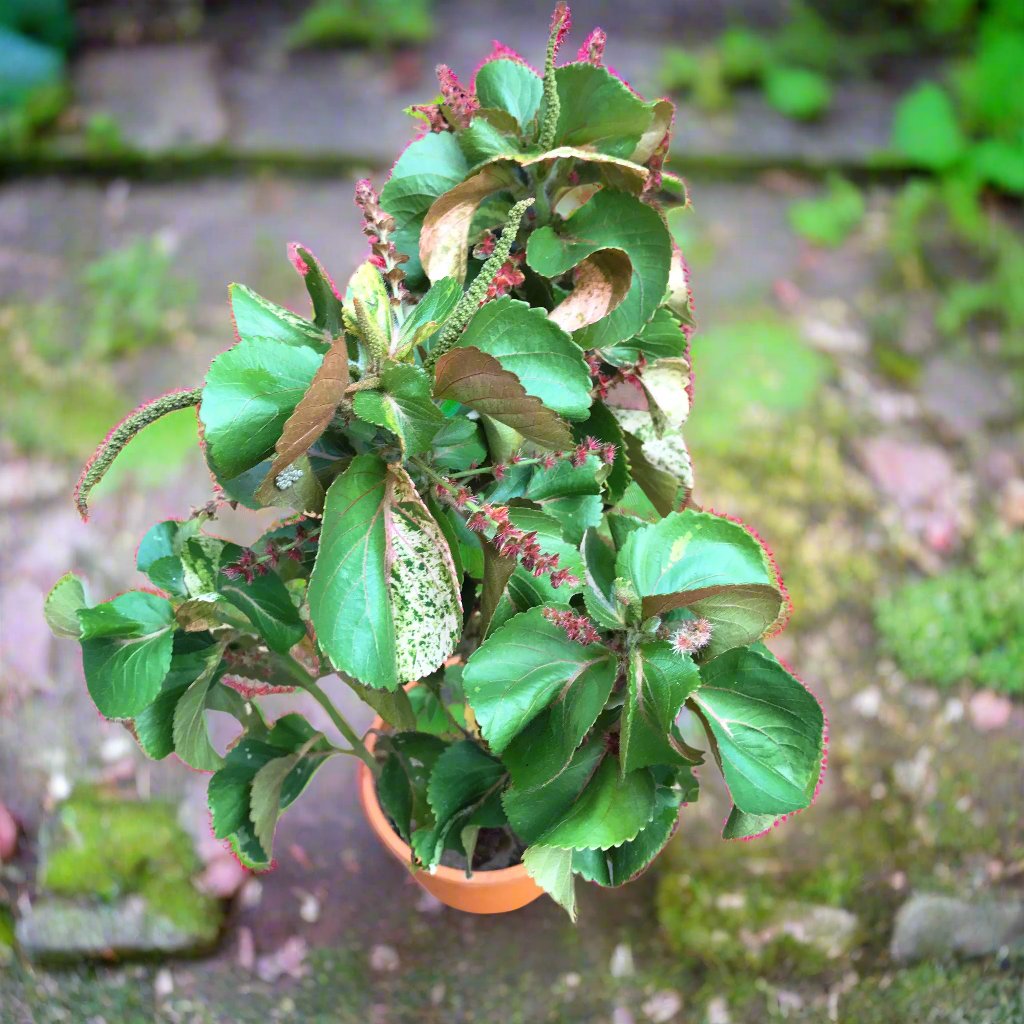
[(561, 22), (592, 50)]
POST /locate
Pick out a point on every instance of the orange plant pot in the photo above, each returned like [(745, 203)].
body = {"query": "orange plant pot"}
[(484, 892)]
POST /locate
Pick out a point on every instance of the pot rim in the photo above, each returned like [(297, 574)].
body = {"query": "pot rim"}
[(400, 848)]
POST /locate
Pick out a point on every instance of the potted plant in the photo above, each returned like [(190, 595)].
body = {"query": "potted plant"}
[(491, 538)]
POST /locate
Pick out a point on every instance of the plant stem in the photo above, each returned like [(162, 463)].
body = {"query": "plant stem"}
[(309, 684)]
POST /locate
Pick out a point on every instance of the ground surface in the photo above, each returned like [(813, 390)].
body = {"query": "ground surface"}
[(859, 481)]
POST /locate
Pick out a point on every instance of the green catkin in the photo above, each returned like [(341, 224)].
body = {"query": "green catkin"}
[(375, 340), (552, 105), (477, 291), (114, 443)]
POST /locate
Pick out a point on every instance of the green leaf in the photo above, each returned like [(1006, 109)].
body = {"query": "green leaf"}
[(367, 285), (403, 405), (925, 128), (428, 315), (575, 514), (458, 445), (126, 651), (479, 381), (622, 864), (395, 795), (383, 596), (402, 787), (464, 776), (266, 603), (768, 730), (62, 605), (740, 825), (392, 705), (658, 683), (322, 292), (257, 317), (510, 86), (661, 338), (830, 220), (798, 93), (658, 460), (599, 570), (611, 809), (250, 392), (228, 793), (190, 731), (610, 220), (551, 869), (527, 672), (599, 111), (547, 362), (265, 799), (154, 726), (427, 168), (696, 560), (491, 134)]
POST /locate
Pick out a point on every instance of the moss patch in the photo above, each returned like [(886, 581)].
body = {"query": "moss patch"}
[(792, 483), (966, 624), (101, 846)]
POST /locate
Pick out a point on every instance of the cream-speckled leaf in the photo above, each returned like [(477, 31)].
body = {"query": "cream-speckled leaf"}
[(383, 596), (677, 296), (666, 452), (666, 383), (423, 584), (600, 283), (444, 236)]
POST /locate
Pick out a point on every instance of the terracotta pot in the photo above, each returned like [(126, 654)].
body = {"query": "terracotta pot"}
[(484, 892)]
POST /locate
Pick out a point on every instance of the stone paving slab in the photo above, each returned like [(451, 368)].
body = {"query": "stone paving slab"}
[(247, 97), (162, 97)]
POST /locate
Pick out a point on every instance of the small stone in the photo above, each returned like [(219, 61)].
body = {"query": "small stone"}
[(245, 955), (718, 1011), (954, 710), (428, 904), (8, 835), (868, 702), (1011, 503), (161, 97), (933, 926), (437, 993), (571, 980), (384, 959), (621, 965), (663, 1006), (288, 959), (163, 983), (829, 930), (964, 397), (309, 908), (789, 1002), (989, 711), (222, 877)]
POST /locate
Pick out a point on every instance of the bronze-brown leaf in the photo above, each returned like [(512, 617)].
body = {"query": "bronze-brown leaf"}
[(314, 412), (478, 380)]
